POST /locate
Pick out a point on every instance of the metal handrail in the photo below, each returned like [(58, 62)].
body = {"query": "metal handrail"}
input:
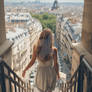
[(86, 63), (5, 65), (77, 80), (12, 77)]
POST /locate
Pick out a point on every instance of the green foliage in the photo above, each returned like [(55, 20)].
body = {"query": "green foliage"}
[(47, 20)]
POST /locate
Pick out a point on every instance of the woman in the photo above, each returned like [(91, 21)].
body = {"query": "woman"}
[(46, 54)]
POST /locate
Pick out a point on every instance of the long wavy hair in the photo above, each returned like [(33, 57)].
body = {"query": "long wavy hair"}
[(44, 45)]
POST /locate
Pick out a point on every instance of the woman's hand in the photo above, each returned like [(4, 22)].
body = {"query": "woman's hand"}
[(58, 76), (23, 74)]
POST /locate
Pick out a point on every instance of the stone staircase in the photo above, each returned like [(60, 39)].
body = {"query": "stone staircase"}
[(56, 90)]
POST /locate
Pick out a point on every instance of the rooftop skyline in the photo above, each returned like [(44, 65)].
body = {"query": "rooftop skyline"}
[(45, 0)]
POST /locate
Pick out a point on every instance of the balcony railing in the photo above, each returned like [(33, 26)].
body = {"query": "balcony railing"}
[(81, 77), (10, 82)]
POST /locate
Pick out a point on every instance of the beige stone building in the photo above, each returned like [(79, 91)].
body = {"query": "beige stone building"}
[(35, 28), (67, 33), (20, 49), (17, 45), (18, 19)]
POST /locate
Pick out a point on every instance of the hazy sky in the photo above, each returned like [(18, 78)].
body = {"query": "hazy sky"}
[(47, 0)]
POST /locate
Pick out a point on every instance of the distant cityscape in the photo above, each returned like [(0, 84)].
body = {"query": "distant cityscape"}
[(38, 2)]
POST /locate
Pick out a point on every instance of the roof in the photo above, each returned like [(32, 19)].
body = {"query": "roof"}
[(11, 35)]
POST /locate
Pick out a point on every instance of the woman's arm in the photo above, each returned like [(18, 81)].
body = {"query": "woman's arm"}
[(56, 63), (31, 62)]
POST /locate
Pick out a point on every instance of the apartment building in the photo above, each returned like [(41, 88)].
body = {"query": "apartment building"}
[(67, 33), (20, 49)]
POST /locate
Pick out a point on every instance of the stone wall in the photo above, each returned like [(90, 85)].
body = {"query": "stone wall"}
[(5, 45), (2, 22), (87, 26)]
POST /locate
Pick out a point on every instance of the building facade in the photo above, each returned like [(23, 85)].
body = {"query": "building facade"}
[(20, 49), (67, 34), (23, 31)]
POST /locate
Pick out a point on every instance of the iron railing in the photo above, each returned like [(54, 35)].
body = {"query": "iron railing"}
[(81, 81), (10, 82)]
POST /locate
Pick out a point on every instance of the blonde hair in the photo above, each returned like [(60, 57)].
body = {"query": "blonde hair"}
[(44, 45)]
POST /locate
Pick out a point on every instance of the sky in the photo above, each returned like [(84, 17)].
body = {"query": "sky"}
[(46, 0)]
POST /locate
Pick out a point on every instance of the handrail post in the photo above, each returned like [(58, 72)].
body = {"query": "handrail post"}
[(27, 87), (19, 84), (80, 76), (10, 82), (80, 80), (24, 87), (75, 83), (3, 86), (62, 87), (67, 86), (70, 86), (89, 80), (15, 84)]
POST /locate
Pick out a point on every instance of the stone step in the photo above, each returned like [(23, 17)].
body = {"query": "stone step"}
[(36, 90)]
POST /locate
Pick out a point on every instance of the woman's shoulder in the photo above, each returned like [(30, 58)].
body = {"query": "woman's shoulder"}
[(54, 50)]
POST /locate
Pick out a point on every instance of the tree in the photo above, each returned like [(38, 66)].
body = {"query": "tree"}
[(47, 20)]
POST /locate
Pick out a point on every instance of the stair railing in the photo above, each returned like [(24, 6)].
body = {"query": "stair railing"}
[(10, 82), (81, 77)]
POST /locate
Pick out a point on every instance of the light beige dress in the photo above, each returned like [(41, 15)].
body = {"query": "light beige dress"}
[(46, 76)]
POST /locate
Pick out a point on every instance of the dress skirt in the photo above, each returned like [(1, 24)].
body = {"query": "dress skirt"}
[(45, 78)]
